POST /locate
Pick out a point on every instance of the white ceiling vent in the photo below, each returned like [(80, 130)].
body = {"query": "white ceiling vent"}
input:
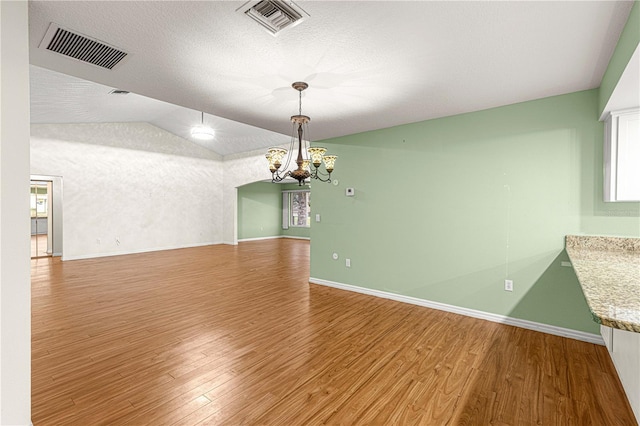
[(81, 47), (274, 15)]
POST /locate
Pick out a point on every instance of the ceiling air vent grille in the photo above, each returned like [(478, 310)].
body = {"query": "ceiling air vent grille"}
[(274, 15), (81, 47)]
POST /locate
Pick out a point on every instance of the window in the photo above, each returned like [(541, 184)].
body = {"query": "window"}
[(300, 208), (296, 209), (39, 199)]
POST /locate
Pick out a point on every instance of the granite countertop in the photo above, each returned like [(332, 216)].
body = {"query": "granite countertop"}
[(608, 269)]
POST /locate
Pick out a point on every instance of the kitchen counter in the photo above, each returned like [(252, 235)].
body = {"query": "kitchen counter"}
[(608, 269)]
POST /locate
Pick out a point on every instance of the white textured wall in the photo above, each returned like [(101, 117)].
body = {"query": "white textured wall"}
[(133, 182), (15, 291)]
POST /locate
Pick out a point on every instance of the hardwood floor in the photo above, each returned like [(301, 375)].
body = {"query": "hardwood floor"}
[(211, 335), (39, 245)]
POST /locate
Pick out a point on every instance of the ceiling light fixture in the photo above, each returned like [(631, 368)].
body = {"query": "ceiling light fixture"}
[(309, 158), (202, 132)]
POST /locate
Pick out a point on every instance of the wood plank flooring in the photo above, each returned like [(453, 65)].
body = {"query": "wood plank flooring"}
[(39, 245), (235, 335)]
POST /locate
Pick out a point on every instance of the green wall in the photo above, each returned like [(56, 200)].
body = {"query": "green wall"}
[(260, 211), (627, 44), (296, 232), (446, 209)]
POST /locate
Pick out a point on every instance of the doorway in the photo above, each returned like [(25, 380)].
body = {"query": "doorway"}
[(41, 219)]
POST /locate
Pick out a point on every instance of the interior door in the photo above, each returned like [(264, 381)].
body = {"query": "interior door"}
[(40, 219)]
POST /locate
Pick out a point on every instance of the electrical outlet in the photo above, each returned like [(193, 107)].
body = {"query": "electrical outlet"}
[(347, 263), (317, 217), (508, 285)]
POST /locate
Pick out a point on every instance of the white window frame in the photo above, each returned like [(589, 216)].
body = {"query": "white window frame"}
[(286, 208)]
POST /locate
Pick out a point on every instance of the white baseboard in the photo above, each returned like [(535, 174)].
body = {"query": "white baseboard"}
[(146, 250), (259, 238), (502, 319), (272, 238)]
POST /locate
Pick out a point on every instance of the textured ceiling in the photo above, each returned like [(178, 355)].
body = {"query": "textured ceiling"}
[(60, 98), (369, 64)]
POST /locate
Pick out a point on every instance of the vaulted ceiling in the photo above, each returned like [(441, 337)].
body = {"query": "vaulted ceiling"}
[(369, 65)]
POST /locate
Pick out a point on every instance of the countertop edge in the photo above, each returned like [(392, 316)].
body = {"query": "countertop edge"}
[(604, 246)]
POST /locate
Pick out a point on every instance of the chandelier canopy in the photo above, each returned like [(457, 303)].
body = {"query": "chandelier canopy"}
[(309, 158)]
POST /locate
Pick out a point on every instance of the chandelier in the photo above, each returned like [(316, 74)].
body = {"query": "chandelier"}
[(309, 158)]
